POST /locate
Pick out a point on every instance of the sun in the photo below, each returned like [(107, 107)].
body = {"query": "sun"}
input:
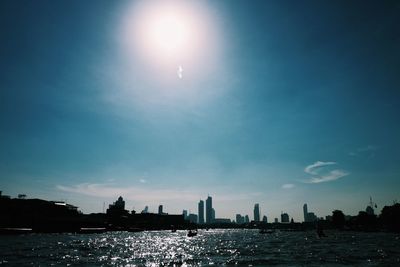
[(169, 34), (173, 33)]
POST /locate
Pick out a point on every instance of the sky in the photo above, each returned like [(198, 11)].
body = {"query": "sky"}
[(273, 102)]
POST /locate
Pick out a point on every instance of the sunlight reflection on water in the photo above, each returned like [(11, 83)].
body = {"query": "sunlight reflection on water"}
[(213, 247)]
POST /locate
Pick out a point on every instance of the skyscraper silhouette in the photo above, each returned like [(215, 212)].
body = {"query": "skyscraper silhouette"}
[(305, 212), (209, 210), (256, 212), (201, 211), (160, 209)]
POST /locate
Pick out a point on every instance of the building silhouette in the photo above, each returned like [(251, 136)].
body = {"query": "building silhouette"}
[(185, 214), (246, 219), (256, 212), (265, 219), (308, 216), (145, 210), (160, 209), (239, 219), (209, 210), (192, 218), (201, 211), (284, 217), (117, 208)]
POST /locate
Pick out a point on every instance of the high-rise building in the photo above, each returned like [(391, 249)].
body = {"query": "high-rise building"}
[(185, 214), (160, 209), (265, 219), (256, 212), (209, 210), (305, 212), (212, 215), (246, 219), (284, 218), (239, 219), (201, 212), (308, 216)]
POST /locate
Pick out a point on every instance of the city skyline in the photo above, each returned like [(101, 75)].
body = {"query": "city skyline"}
[(371, 208), (164, 102)]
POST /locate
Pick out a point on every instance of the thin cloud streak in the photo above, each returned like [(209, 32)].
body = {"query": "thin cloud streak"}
[(130, 193), (288, 186), (321, 175), (107, 190), (363, 150)]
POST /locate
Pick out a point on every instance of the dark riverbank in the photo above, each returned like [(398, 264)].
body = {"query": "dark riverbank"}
[(41, 216)]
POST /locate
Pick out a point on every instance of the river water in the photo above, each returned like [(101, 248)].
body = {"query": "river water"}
[(213, 247)]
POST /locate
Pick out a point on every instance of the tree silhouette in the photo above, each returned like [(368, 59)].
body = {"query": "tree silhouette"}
[(390, 217), (338, 219)]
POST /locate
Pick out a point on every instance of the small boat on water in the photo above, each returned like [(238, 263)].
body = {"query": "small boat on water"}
[(266, 231), (192, 233), (92, 230), (135, 230), (15, 231)]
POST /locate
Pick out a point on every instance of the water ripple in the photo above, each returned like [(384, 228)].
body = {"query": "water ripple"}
[(213, 247)]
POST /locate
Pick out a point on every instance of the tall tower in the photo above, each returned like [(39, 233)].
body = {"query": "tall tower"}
[(201, 212), (305, 212), (160, 210), (209, 210), (256, 212)]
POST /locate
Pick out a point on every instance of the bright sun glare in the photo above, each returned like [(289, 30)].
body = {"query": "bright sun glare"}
[(169, 34), (172, 34)]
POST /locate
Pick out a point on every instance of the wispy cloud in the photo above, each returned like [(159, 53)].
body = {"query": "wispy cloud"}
[(143, 181), (312, 169), (362, 150), (321, 174), (288, 186), (143, 194), (130, 193)]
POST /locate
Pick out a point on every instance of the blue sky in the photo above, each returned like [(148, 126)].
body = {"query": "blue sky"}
[(283, 103)]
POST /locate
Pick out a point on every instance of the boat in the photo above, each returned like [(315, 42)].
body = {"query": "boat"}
[(15, 231), (192, 233), (266, 231), (135, 230), (92, 230)]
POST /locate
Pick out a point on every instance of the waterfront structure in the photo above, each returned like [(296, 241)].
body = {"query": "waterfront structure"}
[(256, 212), (117, 208), (209, 210), (284, 217), (201, 211), (246, 219), (276, 220), (185, 214), (212, 215), (222, 220)]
